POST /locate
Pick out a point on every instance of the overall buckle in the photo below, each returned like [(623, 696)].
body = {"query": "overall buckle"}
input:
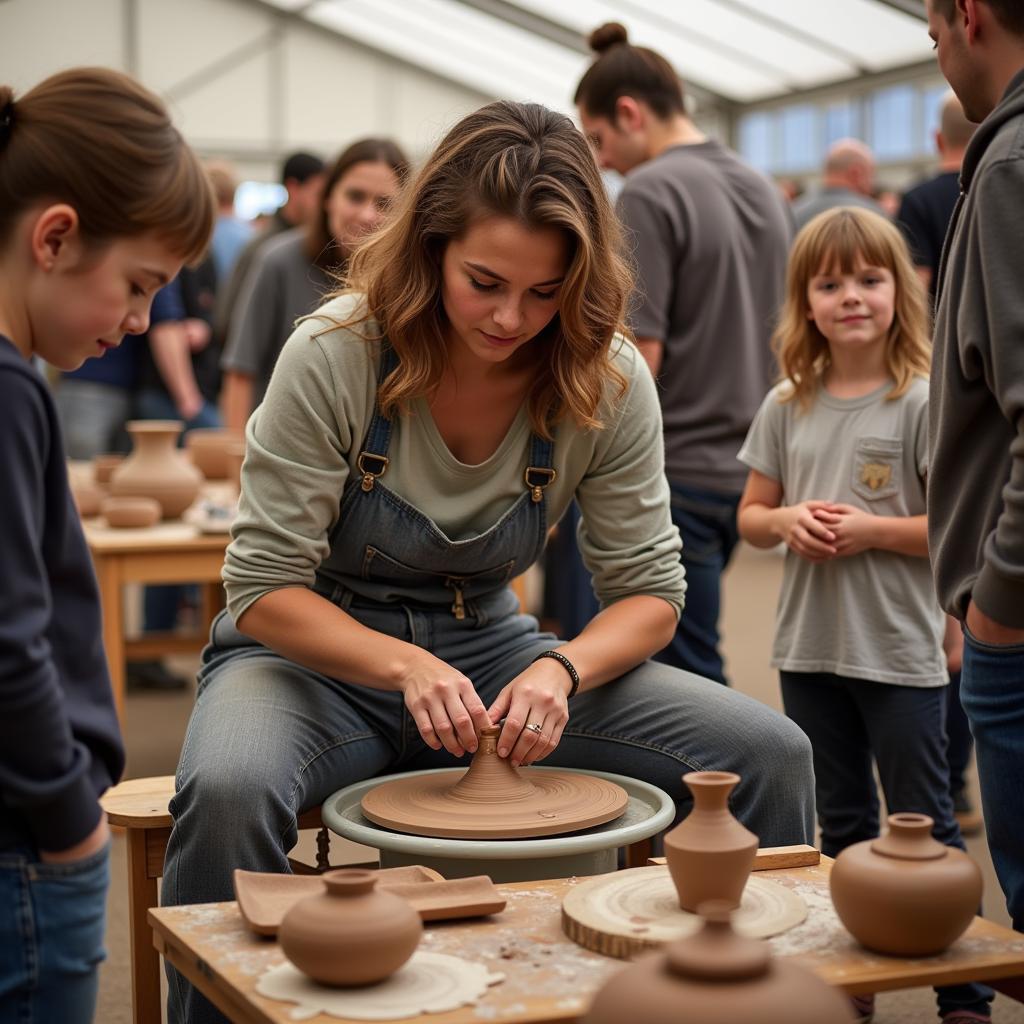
[(371, 474), (530, 477)]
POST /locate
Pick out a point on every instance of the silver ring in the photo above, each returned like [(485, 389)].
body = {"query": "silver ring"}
[(535, 728)]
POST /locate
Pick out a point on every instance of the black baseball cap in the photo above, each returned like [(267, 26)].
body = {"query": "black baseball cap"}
[(301, 167)]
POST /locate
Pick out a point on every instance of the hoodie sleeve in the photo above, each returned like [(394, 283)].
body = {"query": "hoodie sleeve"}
[(999, 590)]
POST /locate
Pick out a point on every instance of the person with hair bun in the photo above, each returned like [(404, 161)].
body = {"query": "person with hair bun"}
[(710, 237), (419, 434), (101, 201)]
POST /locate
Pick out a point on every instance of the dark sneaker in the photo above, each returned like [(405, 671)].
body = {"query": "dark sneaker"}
[(152, 675), (864, 1008), (967, 1017)]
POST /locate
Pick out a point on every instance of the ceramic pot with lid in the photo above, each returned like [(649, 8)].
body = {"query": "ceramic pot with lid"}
[(905, 893), (717, 977), (352, 933)]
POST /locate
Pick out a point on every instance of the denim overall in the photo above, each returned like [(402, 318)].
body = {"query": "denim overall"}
[(269, 737)]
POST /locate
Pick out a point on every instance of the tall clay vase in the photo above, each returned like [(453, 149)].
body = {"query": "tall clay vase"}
[(156, 468), (352, 933), (717, 977), (905, 894), (709, 852)]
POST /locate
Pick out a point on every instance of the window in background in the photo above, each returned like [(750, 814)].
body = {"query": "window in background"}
[(757, 140), (258, 197), (841, 122), (801, 149), (893, 123)]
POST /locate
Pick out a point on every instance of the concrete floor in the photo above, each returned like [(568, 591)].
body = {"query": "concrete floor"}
[(156, 724)]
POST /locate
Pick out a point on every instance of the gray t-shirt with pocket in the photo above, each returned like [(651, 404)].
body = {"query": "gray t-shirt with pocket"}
[(868, 616)]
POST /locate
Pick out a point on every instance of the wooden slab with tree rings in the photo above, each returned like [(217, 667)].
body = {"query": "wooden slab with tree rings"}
[(494, 800), (627, 912)]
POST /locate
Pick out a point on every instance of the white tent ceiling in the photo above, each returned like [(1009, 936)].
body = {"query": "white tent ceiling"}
[(740, 51)]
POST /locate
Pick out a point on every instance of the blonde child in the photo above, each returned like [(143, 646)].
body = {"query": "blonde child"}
[(100, 203), (837, 457)]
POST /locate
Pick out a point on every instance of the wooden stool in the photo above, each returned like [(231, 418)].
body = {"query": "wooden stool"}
[(139, 806)]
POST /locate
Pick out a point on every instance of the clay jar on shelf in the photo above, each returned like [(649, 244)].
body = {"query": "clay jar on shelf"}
[(156, 468), (905, 894), (710, 854), (352, 933), (717, 977)]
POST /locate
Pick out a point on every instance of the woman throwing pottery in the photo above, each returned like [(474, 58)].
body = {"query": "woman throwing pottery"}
[(420, 433)]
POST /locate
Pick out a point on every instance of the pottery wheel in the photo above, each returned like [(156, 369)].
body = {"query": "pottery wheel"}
[(428, 983), (493, 800), (623, 913)]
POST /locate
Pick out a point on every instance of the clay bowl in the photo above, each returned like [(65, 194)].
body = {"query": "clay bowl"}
[(209, 449), (88, 498), (131, 512), (104, 465)]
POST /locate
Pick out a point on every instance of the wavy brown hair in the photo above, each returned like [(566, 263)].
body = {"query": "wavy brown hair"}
[(515, 160), (839, 239)]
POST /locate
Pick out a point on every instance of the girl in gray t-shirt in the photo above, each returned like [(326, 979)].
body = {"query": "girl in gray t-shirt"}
[(838, 466)]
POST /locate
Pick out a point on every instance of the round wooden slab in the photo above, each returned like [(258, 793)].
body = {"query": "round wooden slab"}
[(551, 803), (627, 912)]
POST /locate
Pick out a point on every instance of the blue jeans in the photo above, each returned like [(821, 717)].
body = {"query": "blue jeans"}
[(849, 721), (958, 730), (568, 587), (707, 523), (992, 691), (52, 920), (269, 738), (160, 603)]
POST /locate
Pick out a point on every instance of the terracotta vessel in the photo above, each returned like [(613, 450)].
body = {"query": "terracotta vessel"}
[(351, 934), (717, 977), (103, 467), (87, 499), (156, 468), (905, 894), (209, 449), (235, 457), (709, 852), (130, 512)]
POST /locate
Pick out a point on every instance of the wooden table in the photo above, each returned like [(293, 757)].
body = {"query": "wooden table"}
[(550, 979), (172, 552)]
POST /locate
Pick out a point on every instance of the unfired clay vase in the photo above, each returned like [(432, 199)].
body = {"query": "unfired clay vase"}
[(209, 449), (103, 467), (494, 800), (87, 499), (353, 933), (235, 457), (717, 977), (709, 852), (130, 512), (905, 894), (156, 468)]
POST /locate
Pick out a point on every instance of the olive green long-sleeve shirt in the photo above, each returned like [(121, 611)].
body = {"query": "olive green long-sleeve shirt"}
[(304, 440)]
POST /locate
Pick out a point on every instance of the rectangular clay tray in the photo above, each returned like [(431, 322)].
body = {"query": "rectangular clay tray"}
[(264, 899)]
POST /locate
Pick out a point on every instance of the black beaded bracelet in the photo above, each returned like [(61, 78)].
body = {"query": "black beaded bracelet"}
[(567, 665)]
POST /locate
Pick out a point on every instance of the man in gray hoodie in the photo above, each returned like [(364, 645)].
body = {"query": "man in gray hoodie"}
[(976, 412)]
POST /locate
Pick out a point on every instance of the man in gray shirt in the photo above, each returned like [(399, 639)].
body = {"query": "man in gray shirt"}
[(976, 411), (849, 180), (710, 239)]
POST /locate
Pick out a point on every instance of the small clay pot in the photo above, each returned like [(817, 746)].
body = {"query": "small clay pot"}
[(352, 933), (103, 467), (209, 450), (905, 894), (235, 457), (131, 512), (717, 977), (156, 468), (87, 499), (710, 854)]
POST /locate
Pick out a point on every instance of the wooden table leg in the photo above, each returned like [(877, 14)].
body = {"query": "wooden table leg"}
[(111, 600), (211, 600), (142, 894)]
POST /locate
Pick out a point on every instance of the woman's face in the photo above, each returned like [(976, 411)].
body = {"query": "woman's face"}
[(501, 285), (359, 202)]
